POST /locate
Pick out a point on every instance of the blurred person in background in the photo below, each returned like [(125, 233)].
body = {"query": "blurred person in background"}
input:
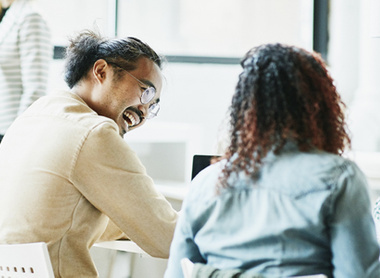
[(282, 202), (376, 217), (25, 55)]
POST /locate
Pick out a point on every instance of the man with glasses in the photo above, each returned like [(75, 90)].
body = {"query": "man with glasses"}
[(68, 178)]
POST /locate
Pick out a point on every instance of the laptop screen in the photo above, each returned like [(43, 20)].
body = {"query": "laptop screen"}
[(200, 162)]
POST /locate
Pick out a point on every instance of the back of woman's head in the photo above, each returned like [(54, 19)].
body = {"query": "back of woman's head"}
[(283, 94), (87, 47)]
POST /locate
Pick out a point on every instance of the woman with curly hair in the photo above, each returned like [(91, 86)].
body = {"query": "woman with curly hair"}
[(282, 201)]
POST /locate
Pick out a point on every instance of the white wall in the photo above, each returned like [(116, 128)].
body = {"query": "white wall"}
[(354, 56), (193, 108)]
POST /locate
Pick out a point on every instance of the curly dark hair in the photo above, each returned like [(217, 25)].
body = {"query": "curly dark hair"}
[(284, 93), (87, 47)]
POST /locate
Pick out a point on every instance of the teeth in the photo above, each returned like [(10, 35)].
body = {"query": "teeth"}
[(131, 118)]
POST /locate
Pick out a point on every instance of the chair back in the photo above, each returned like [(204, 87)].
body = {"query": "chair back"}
[(25, 260)]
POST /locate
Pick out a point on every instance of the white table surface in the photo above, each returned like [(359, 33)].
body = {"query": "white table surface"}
[(122, 245), (173, 190)]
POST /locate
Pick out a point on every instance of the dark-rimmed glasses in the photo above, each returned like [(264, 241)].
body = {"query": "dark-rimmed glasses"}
[(146, 96)]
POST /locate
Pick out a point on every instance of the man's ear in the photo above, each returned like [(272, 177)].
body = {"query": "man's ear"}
[(99, 70)]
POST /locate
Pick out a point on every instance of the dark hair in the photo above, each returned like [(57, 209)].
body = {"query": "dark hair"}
[(284, 93), (88, 47)]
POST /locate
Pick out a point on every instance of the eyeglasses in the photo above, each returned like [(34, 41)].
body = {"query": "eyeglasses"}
[(146, 96)]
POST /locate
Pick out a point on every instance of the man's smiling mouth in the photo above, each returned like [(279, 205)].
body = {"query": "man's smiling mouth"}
[(132, 118)]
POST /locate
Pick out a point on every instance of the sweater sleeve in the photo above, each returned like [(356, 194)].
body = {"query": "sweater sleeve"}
[(112, 232), (36, 52), (109, 174)]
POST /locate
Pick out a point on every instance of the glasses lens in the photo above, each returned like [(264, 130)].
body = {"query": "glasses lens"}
[(153, 110), (148, 95)]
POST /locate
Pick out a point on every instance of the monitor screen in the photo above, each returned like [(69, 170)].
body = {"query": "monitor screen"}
[(200, 162)]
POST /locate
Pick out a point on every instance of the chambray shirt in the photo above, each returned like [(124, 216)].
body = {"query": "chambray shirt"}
[(308, 213)]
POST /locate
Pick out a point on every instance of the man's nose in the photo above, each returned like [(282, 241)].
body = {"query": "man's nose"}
[(144, 108)]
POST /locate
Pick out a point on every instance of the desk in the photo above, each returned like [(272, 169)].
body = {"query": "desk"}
[(123, 258), (175, 191), (123, 245)]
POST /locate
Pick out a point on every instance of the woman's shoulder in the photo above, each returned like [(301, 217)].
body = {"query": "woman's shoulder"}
[(204, 184), (317, 162), (302, 173)]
